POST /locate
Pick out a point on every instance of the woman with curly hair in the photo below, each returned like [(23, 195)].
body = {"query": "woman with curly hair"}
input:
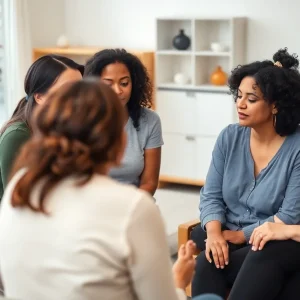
[(128, 77), (67, 230), (254, 177)]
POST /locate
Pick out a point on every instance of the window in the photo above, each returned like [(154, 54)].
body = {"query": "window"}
[(2, 104)]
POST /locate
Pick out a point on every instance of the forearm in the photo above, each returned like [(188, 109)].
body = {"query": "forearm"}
[(213, 227), (293, 232), (149, 187), (277, 220)]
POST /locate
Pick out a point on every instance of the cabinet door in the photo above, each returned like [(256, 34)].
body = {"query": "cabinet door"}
[(205, 146), (178, 154), (213, 112), (177, 111)]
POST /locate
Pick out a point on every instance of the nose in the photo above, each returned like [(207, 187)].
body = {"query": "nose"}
[(118, 90), (241, 103)]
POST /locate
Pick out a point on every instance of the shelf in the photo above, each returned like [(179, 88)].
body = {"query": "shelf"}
[(172, 85), (173, 52), (216, 88), (212, 31), (212, 53), (80, 51), (197, 53), (167, 66), (203, 87), (205, 66)]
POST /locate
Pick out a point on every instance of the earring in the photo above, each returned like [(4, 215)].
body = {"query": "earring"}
[(274, 120)]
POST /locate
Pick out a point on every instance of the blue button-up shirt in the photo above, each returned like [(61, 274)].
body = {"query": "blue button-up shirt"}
[(232, 194)]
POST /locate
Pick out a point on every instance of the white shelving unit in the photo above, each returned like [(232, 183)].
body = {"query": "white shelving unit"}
[(194, 113), (198, 61)]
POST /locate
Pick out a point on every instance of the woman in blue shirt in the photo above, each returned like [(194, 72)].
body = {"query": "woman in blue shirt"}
[(254, 176)]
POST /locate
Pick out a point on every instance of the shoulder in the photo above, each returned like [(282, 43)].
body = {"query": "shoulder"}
[(11, 185), (119, 191), (14, 135), (15, 130), (233, 132), (294, 141), (232, 137), (149, 116)]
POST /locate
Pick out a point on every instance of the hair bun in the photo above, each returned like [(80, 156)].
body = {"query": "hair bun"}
[(68, 156), (287, 60)]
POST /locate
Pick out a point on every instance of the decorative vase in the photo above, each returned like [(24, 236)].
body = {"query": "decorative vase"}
[(181, 41), (218, 77), (181, 78), (62, 41)]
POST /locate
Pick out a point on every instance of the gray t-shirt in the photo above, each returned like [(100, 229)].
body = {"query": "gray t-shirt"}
[(148, 136)]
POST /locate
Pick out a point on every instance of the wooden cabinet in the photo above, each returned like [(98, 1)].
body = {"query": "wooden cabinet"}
[(81, 54)]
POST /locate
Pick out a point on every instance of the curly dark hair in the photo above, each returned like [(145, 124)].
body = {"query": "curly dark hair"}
[(75, 133), (141, 94), (279, 85)]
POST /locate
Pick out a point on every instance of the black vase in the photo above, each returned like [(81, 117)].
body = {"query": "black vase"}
[(181, 41)]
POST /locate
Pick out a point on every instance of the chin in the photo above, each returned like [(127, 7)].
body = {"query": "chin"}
[(124, 102), (244, 123)]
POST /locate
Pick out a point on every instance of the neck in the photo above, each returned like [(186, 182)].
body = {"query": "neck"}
[(104, 169), (264, 133)]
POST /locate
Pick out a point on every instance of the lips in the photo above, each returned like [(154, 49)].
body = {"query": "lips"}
[(242, 116)]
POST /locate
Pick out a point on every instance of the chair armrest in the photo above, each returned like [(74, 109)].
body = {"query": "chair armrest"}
[(184, 231)]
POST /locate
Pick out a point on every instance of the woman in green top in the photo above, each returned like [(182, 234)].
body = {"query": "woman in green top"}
[(44, 77)]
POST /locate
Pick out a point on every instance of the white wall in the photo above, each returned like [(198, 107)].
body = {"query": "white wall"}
[(273, 24), (47, 21)]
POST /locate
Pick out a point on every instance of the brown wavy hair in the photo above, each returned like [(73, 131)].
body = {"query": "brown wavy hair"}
[(75, 133)]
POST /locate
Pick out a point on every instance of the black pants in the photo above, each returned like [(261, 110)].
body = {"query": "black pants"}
[(270, 274), (273, 273), (209, 279)]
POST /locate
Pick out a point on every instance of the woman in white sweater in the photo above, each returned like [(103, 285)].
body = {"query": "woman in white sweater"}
[(67, 230)]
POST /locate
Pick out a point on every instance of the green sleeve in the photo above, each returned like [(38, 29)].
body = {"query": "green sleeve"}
[(9, 148)]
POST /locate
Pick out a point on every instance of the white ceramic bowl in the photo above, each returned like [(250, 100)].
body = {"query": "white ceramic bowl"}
[(181, 78), (217, 47)]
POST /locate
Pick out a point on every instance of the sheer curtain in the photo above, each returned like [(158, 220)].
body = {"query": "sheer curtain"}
[(17, 47)]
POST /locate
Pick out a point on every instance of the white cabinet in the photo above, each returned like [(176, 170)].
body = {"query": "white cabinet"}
[(213, 111), (194, 113), (176, 156), (191, 123), (176, 109), (186, 157)]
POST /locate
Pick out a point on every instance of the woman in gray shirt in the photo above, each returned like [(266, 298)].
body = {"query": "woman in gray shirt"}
[(128, 77), (254, 178)]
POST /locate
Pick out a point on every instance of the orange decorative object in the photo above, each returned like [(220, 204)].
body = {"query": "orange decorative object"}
[(218, 77)]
